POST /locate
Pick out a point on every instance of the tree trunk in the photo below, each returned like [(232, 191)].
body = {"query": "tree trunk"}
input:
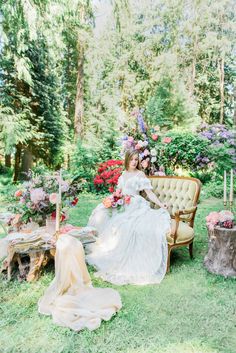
[(221, 256), (222, 98), (8, 160), (17, 163), (27, 163), (79, 100)]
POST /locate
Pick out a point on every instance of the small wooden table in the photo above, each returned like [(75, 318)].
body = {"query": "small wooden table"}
[(38, 255), (221, 256)]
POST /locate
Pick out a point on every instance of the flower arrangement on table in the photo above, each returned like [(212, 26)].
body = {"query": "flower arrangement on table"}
[(36, 199), (224, 219), (116, 201)]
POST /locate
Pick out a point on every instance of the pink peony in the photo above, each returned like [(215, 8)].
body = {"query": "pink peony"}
[(146, 152), (167, 140), (213, 218), (53, 198), (37, 195)]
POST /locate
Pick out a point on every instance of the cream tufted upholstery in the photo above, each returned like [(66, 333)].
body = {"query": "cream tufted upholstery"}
[(181, 195)]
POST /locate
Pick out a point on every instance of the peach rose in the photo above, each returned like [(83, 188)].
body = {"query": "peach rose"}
[(107, 202)]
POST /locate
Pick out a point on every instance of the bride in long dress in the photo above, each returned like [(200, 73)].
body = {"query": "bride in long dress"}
[(71, 299), (132, 245)]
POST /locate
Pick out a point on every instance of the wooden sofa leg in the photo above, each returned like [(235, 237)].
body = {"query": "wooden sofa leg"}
[(168, 260), (191, 250)]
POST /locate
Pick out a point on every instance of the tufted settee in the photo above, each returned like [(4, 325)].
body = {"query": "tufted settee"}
[(181, 194)]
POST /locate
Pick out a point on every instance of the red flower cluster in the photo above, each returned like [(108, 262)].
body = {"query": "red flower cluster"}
[(108, 174)]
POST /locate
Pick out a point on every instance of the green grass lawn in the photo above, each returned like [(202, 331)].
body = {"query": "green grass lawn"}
[(191, 311)]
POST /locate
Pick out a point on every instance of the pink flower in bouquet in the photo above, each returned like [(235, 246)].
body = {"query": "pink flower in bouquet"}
[(225, 216), (137, 147), (213, 217), (130, 138), (37, 195), (111, 189), (118, 193), (167, 140), (53, 198), (144, 163), (127, 200), (154, 137), (107, 202), (18, 193)]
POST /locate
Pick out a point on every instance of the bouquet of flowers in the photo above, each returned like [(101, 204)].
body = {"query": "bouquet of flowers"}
[(224, 219), (116, 201), (36, 199)]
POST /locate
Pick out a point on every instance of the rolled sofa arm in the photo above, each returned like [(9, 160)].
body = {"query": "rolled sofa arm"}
[(177, 218)]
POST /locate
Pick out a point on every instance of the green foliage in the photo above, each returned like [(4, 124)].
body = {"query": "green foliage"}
[(169, 107), (182, 151), (83, 164)]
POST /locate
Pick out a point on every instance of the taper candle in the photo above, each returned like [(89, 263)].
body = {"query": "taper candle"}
[(225, 190), (231, 192)]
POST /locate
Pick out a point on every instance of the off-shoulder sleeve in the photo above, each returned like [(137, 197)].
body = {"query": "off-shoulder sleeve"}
[(120, 182), (143, 183)]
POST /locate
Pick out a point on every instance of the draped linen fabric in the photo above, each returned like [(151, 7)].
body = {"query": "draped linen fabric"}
[(71, 299)]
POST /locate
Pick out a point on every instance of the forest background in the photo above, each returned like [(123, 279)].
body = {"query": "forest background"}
[(72, 73)]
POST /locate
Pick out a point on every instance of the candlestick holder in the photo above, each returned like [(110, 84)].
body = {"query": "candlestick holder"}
[(225, 204)]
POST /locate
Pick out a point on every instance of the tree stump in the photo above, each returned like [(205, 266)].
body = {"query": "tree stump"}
[(221, 256)]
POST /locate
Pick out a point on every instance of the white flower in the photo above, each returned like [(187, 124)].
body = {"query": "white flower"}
[(153, 159), (153, 152)]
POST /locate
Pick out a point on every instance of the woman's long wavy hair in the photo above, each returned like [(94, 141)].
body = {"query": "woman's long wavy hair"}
[(128, 155)]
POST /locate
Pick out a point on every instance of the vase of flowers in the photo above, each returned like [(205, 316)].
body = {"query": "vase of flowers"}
[(36, 199)]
